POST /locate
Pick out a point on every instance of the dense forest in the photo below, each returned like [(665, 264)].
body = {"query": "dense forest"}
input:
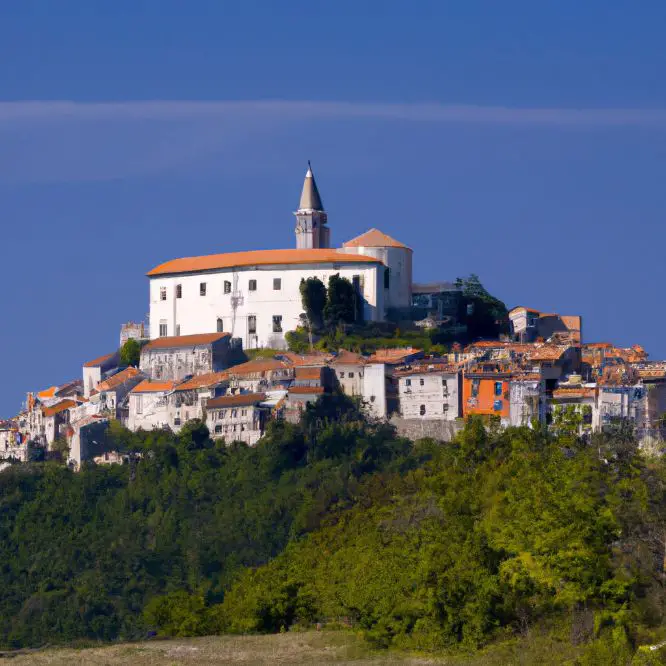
[(498, 535)]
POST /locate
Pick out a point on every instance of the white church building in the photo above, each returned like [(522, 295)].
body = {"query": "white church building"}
[(255, 295)]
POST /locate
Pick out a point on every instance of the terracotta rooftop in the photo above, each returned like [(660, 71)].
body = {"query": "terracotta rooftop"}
[(426, 369), (345, 357), (308, 372), (258, 258), (575, 392), (58, 407), (374, 238), (238, 400), (178, 341), (258, 366), (202, 381), (393, 356), (306, 390), (47, 393), (117, 379), (146, 386), (100, 360), (314, 359)]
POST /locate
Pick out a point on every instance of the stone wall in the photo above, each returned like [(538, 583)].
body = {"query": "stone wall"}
[(420, 428)]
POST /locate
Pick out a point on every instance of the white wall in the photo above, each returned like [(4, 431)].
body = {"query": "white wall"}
[(374, 389), (153, 412), (399, 262), (193, 313), (433, 390)]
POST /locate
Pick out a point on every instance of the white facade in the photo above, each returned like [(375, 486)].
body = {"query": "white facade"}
[(148, 410), (430, 395), (258, 304), (374, 389), (398, 261), (526, 401)]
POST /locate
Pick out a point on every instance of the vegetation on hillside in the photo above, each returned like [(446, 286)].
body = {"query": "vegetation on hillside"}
[(498, 535)]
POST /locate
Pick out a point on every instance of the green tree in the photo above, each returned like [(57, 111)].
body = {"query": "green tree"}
[(313, 297), (130, 353), (341, 302)]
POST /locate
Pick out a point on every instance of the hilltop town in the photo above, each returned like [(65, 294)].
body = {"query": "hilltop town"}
[(239, 339)]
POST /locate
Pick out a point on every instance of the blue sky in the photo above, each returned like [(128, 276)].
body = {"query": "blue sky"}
[(522, 141)]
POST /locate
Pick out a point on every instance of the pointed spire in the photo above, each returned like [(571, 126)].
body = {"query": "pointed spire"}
[(310, 199)]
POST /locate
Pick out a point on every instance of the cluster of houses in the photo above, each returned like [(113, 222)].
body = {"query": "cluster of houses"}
[(524, 379), (205, 311)]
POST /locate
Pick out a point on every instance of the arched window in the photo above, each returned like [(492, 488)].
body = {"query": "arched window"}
[(220, 325)]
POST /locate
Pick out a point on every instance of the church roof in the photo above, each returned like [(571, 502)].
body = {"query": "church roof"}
[(180, 341), (213, 262), (310, 199), (374, 238)]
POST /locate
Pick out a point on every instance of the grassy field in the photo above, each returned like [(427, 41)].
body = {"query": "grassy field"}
[(326, 647)]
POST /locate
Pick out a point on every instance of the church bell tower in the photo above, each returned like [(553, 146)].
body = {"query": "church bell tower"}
[(311, 229)]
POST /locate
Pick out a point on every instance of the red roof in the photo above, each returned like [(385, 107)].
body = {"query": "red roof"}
[(58, 407), (100, 360), (374, 238), (306, 390), (146, 386), (258, 258), (202, 381), (117, 379), (178, 341), (238, 400)]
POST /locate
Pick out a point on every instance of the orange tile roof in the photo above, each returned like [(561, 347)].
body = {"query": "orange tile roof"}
[(146, 386), (258, 258), (258, 366), (117, 379), (47, 393), (427, 369), (374, 238), (306, 390), (202, 381), (177, 341), (393, 356), (547, 353), (345, 357), (58, 407), (575, 392), (315, 358), (308, 373), (100, 360), (238, 400)]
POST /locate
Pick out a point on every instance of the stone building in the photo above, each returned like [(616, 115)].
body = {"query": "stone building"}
[(98, 369), (149, 405), (237, 418), (255, 295), (174, 358), (430, 391)]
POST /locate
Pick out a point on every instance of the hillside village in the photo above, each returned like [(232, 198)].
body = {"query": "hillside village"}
[(220, 347)]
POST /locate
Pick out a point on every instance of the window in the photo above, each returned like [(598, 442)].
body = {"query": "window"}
[(162, 293), (475, 388), (202, 289), (351, 375), (408, 382), (445, 407), (243, 412), (422, 381), (218, 429), (498, 388), (422, 410), (220, 325), (387, 278), (277, 323), (176, 421), (179, 291), (342, 375), (252, 324), (277, 284), (163, 328), (177, 329), (227, 287), (445, 384), (497, 405), (139, 404), (252, 285), (234, 414)]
